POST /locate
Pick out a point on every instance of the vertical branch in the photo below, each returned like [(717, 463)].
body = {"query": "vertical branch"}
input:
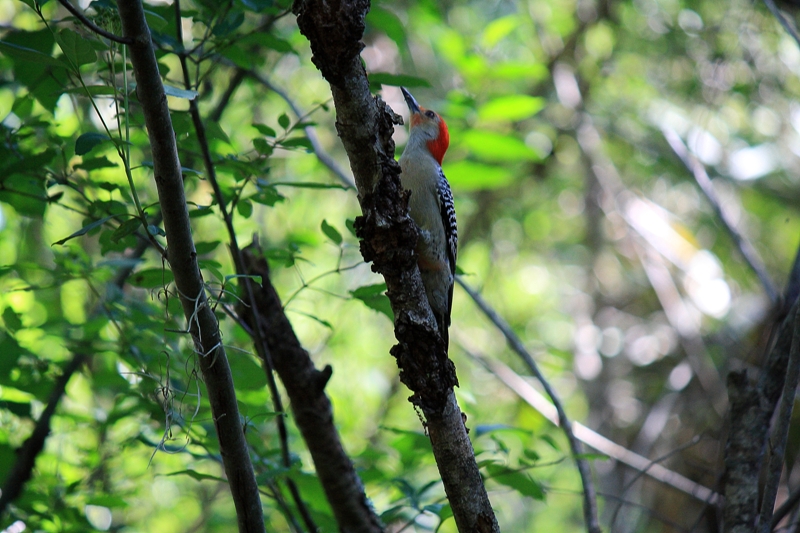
[(182, 256), (365, 125)]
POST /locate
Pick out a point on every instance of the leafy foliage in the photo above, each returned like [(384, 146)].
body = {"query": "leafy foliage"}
[(609, 263)]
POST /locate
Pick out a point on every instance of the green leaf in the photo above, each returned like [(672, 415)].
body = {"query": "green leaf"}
[(76, 48), (298, 142), (331, 232), (201, 211), (179, 93), (213, 267), (444, 513), (205, 247), (374, 297), (214, 131), (267, 196), (519, 481), (309, 185), (519, 71), (244, 208), (96, 163), (283, 121), (86, 229), (150, 278), (397, 80), (12, 320), (247, 374), (93, 90), (498, 147), (498, 29), (125, 229), (266, 131), (262, 147), (389, 23), (197, 476), (86, 142), (350, 224), (512, 107), (28, 54), (469, 175), (155, 21)]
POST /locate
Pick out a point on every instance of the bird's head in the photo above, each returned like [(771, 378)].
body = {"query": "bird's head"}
[(427, 126)]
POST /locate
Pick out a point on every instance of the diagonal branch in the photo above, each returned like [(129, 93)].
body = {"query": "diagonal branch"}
[(202, 323), (704, 182), (313, 413), (591, 438), (589, 495), (92, 26)]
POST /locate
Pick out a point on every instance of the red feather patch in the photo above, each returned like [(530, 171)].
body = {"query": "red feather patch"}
[(439, 145)]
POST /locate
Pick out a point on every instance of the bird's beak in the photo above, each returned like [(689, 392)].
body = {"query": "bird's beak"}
[(412, 103)]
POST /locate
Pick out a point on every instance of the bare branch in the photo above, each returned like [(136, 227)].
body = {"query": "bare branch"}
[(600, 443), (202, 322), (704, 182), (92, 26), (589, 496)]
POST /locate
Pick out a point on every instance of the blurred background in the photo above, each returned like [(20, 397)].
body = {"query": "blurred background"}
[(601, 153)]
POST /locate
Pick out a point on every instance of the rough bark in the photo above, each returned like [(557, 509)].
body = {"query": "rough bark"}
[(365, 124), (312, 409), (752, 406), (202, 323)]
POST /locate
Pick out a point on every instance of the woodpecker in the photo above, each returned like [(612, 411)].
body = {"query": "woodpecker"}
[(431, 206)]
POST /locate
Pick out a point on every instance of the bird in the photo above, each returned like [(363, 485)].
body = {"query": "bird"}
[(431, 207)]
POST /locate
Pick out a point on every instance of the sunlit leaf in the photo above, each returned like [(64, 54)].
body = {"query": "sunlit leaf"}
[(512, 107), (498, 29), (76, 48), (374, 297), (469, 175), (498, 147), (397, 80)]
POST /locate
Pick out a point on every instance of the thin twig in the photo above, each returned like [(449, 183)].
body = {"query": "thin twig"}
[(590, 498), (92, 26), (640, 473), (785, 508), (595, 440), (311, 132), (781, 431), (704, 182), (785, 23)]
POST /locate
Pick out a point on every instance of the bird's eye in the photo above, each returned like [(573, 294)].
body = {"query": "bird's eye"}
[(430, 114)]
